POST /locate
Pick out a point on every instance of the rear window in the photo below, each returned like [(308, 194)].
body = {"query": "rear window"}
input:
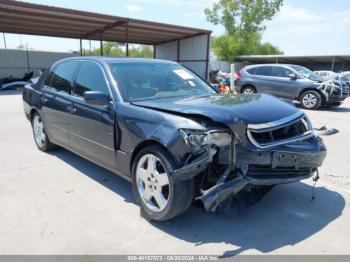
[(264, 70)]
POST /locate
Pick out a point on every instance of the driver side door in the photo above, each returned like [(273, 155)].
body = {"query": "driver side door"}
[(91, 127)]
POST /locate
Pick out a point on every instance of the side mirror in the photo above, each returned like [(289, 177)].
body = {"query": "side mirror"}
[(293, 76), (96, 98)]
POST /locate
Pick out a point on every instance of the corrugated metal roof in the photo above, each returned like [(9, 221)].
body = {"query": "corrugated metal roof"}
[(33, 19)]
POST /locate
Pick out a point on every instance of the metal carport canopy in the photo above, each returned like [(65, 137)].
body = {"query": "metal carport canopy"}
[(33, 19)]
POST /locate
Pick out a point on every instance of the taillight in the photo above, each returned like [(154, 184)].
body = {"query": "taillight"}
[(238, 74)]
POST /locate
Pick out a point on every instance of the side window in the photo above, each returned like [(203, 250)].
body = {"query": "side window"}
[(264, 71), (63, 76), (90, 78), (251, 71), (281, 71)]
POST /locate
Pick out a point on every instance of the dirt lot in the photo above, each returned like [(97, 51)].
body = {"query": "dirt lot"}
[(59, 203)]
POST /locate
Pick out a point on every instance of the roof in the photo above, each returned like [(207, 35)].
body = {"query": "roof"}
[(118, 59), (33, 19), (289, 59)]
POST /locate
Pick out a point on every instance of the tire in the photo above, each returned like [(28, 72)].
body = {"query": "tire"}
[(248, 90), (41, 139), (147, 186), (310, 100)]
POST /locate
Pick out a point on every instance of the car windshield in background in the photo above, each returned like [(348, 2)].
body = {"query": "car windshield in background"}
[(143, 81), (306, 72)]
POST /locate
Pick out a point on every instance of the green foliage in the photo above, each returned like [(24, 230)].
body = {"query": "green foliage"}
[(113, 49), (228, 47), (244, 23), (242, 16), (141, 51)]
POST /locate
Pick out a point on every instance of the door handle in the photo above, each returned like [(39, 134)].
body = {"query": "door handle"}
[(43, 100), (71, 109)]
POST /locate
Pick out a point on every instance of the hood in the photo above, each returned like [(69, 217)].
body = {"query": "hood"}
[(227, 109)]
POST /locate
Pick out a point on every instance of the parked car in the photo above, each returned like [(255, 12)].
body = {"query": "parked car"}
[(292, 82), (327, 75), (158, 125), (344, 76)]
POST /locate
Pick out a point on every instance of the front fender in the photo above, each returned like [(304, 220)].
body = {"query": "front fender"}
[(139, 124)]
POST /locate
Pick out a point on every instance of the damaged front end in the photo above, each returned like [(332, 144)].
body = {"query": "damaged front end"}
[(224, 161), (334, 91)]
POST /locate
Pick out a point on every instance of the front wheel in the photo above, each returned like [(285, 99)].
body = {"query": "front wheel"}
[(41, 139), (310, 100), (158, 194)]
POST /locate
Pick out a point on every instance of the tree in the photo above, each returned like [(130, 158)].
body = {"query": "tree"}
[(244, 23), (228, 47), (113, 49), (243, 16)]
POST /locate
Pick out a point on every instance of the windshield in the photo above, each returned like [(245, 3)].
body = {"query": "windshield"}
[(145, 80), (306, 72)]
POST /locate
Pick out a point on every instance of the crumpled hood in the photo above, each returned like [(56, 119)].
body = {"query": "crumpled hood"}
[(227, 109)]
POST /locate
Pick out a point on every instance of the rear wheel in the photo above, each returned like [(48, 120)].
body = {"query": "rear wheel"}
[(158, 194), (248, 90), (41, 139), (310, 100)]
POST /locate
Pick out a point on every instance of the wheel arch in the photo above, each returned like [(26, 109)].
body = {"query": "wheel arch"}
[(145, 144), (32, 112)]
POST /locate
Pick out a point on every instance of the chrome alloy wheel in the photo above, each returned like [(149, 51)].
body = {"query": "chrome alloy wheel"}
[(248, 91), (38, 129), (152, 182), (309, 100)]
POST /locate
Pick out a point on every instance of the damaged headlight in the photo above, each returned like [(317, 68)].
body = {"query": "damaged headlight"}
[(199, 138)]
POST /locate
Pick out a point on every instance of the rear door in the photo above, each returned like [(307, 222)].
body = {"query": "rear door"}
[(91, 127), (55, 101), (264, 80), (284, 85)]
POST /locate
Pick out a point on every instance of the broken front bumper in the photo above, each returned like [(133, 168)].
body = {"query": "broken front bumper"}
[(278, 165), (284, 164)]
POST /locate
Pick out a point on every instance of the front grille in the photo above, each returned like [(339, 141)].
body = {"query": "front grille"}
[(345, 90), (280, 132), (268, 172)]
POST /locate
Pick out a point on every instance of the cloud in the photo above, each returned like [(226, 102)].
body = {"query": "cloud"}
[(133, 8), (297, 15), (195, 14), (302, 21)]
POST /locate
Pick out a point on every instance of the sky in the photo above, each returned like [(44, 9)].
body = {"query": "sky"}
[(302, 27)]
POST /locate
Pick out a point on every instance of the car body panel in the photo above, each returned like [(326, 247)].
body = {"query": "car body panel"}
[(227, 108)]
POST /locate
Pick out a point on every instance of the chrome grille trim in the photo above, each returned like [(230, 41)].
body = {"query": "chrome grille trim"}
[(281, 123)]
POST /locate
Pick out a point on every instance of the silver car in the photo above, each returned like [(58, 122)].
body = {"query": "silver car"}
[(292, 82)]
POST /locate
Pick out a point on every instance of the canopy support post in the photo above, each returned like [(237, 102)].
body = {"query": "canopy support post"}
[(3, 34), (127, 38), (101, 45), (207, 58), (81, 46)]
